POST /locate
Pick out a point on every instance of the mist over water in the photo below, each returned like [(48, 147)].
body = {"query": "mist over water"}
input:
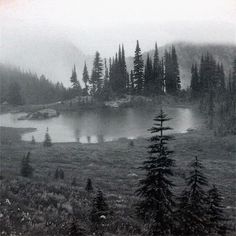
[(102, 125)]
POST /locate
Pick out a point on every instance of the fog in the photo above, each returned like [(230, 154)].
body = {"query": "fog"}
[(29, 28)]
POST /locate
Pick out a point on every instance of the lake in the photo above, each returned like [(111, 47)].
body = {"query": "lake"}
[(102, 125)]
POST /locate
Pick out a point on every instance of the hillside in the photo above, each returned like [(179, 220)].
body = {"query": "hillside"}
[(189, 53), (53, 57)]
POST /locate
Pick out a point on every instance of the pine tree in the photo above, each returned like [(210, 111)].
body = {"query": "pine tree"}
[(132, 89), (172, 75), (57, 175), (96, 79), (138, 70), (86, 79), (26, 168), (124, 70), (195, 84), (148, 77), (75, 83), (176, 74), (211, 109), (215, 211), (89, 186), (192, 213), (99, 213), (47, 141), (75, 229), (157, 203), (157, 80)]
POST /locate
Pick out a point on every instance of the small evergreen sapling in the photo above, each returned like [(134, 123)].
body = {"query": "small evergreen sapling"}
[(89, 186), (26, 168), (192, 212), (99, 213), (47, 141), (75, 229)]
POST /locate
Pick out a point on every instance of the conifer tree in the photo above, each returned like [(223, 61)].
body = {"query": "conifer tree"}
[(216, 214), (99, 213), (132, 88), (156, 203), (138, 70), (195, 84), (26, 168), (57, 175), (75, 229), (148, 77), (192, 212), (176, 73), (157, 81), (211, 109), (172, 75), (96, 79), (89, 186), (86, 79), (47, 141)]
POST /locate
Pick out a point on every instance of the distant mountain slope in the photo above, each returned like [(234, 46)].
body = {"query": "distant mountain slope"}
[(189, 53), (52, 57)]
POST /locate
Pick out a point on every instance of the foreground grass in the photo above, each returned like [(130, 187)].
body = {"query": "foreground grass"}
[(113, 168)]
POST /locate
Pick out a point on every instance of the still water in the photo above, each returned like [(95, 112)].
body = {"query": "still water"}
[(102, 125)]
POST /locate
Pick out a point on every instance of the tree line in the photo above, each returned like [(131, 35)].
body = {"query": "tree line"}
[(155, 76), (216, 93), (18, 87)]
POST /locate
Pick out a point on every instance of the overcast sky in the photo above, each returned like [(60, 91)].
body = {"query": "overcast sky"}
[(102, 25)]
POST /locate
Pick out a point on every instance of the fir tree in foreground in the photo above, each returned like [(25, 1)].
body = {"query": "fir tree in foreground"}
[(47, 141), (192, 212), (99, 214), (75, 229), (216, 214), (26, 168), (155, 191)]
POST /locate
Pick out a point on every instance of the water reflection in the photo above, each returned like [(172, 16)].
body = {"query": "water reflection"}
[(102, 125)]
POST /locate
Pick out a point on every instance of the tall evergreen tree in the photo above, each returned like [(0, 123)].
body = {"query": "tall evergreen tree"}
[(195, 84), (132, 86), (75, 83), (138, 70), (148, 77), (96, 79), (176, 73), (86, 79), (192, 213), (157, 203), (26, 168), (156, 72), (172, 75)]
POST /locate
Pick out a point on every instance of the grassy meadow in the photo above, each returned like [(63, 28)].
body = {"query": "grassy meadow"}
[(112, 167)]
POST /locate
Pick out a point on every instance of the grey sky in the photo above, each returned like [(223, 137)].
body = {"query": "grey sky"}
[(102, 25)]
